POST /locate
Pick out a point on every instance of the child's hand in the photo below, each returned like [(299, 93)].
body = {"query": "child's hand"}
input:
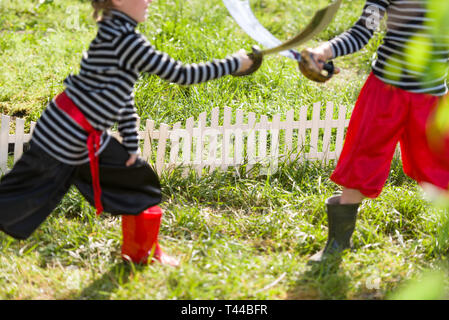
[(322, 54), (132, 159), (245, 61), (249, 63)]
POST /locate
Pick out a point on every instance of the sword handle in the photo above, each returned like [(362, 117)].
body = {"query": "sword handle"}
[(309, 67), (257, 57), (329, 67)]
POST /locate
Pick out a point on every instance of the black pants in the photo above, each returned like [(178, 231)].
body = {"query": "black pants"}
[(38, 182)]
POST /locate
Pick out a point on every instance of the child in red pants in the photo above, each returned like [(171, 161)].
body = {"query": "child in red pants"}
[(395, 105), (71, 144)]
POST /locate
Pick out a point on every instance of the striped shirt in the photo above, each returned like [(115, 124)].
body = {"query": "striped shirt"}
[(103, 89), (408, 26)]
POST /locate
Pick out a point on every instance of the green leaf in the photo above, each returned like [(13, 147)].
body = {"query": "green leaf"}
[(429, 287)]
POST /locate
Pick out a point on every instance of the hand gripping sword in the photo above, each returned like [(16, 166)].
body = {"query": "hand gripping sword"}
[(240, 10)]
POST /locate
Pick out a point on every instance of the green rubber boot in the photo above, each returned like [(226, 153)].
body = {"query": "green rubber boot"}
[(341, 224)]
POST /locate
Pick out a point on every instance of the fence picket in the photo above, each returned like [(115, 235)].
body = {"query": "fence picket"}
[(238, 133), (289, 132), (19, 139), (199, 142), (147, 139), (251, 141), (32, 126), (313, 154), (213, 140), (302, 131), (187, 143), (138, 123), (275, 137), (328, 130), (187, 146), (226, 146), (175, 137), (262, 138), (340, 129), (4, 143), (161, 147)]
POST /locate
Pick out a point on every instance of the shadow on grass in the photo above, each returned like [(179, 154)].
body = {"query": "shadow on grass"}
[(321, 281), (102, 288)]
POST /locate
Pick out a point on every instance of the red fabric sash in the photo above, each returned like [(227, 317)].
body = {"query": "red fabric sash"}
[(93, 143)]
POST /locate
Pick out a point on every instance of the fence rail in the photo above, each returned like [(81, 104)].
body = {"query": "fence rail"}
[(220, 142)]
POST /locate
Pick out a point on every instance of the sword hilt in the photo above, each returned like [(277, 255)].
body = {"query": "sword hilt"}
[(257, 57), (309, 67), (329, 68)]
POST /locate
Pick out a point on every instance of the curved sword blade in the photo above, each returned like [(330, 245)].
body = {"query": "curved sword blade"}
[(242, 14), (240, 10), (321, 19)]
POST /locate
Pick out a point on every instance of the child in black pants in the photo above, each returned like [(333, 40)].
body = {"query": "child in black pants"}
[(71, 145)]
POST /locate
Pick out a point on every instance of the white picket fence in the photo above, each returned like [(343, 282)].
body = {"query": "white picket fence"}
[(206, 144)]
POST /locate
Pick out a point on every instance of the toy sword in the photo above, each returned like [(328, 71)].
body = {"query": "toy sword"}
[(240, 10)]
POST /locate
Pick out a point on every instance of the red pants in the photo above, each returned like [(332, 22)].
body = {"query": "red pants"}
[(383, 116)]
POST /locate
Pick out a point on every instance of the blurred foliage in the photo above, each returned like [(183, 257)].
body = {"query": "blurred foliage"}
[(430, 285)]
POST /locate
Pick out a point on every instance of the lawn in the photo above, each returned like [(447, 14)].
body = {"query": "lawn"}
[(238, 236)]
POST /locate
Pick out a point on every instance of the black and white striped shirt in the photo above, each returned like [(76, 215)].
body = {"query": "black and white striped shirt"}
[(103, 89), (408, 26)]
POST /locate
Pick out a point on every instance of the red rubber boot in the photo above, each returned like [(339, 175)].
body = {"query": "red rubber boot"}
[(140, 235)]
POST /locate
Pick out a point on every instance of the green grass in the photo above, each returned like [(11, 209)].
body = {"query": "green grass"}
[(238, 236)]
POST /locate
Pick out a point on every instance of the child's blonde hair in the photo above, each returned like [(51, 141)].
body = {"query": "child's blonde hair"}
[(101, 8)]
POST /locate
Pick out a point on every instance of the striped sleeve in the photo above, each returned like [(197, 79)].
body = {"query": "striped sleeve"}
[(359, 35), (137, 54), (127, 127)]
